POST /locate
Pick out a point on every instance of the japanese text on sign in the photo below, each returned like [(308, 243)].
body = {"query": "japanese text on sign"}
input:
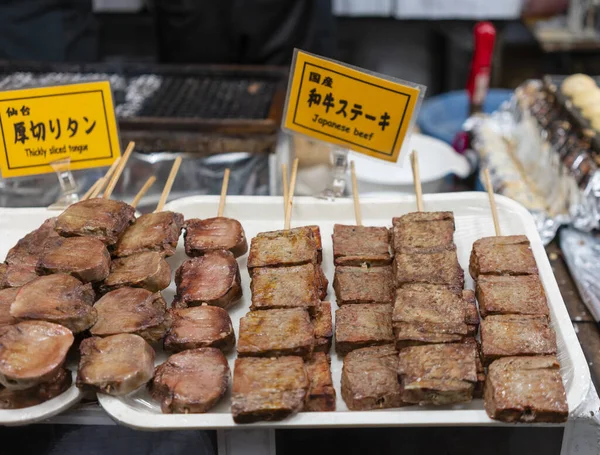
[(42, 125), (345, 106)]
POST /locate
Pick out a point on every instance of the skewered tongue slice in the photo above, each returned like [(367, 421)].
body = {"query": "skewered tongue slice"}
[(115, 365), (85, 258), (151, 232), (32, 352), (59, 298), (103, 219), (18, 399), (210, 234), (27, 251), (7, 297), (147, 270), (191, 381), (132, 310), (14, 275)]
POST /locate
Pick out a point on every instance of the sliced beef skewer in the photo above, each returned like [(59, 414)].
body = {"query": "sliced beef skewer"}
[(147, 270), (211, 234)]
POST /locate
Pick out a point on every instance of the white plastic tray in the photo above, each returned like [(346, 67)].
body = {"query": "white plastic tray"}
[(473, 220), (14, 224)]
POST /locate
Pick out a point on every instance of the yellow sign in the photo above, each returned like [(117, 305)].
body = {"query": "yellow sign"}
[(42, 125), (333, 102)]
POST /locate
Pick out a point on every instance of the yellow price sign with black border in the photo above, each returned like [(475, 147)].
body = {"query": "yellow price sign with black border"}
[(42, 125), (352, 108)]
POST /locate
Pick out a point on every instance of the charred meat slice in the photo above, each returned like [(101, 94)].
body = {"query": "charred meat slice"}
[(7, 297), (27, 251), (132, 310), (147, 270), (438, 374), (322, 282), (210, 234), (526, 389), (283, 248), (272, 333), (191, 381), (200, 327), (32, 352), (151, 232), (104, 219), (423, 232), (59, 298), (502, 255), (321, 394), (19, 399), (511, 295), (358, 245), (471, 314), (268, 389), (440, 269), (213, 279), (86, 258), (364, 285), (15, 275), (370, 378), (284, 287), (323, 327), (115, 365), (361, 325)]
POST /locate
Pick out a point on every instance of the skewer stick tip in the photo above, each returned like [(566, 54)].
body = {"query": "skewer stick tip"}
[(490, 191), (414, 161), (224, 187), (143, 190), (357, 212), (168, 185), (290, 200)]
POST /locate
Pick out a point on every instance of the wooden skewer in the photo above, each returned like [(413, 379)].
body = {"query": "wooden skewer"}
[(414, 161), (92, 189), (490, 191), (168, 185), (99, 185), (223, 192), (286, 187), (290, 201), (143, 190), (113, 182), (357, 213)]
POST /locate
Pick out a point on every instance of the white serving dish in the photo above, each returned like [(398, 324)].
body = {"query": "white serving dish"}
[(14, 225), (473, 220)]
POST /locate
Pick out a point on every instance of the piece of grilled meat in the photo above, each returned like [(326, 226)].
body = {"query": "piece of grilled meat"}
[(27, 251), (19, 399), (7, 297), (86, 258), (210, 234), (115, 365), (104, 219), (32, 352), (59, 298), (132, 310), (147, 270), (191, 381), (14, 276), (151, 232)]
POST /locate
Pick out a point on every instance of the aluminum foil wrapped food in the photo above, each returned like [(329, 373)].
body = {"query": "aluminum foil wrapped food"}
[(540, 156)]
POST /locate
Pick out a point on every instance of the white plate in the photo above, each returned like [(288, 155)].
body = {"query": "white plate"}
[(436, 160), (14, 225), (473, 220)]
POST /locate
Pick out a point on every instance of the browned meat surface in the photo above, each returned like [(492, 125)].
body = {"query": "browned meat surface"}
[(407, 334), (104, 219), (423, 232), (272, 333), (210, 234), (358, 326), (27, 251), (511, 295), (115, 365), (317, 236), (370, 379), (7, 297), (438, 374), (86, 258), (276, 248), (147, 270), (191, 381), (426, 311), (364, 285), (132, 310), (526, 389), (151, 232), (32, 352), (506, 255), (200, 327), (516, 335), (14, 275), (358, 245), (284, 287), (471, 313), (440, 269), (268, 389), (59, 298), (321, 394), (478, 390), (322, 282), (322, 322), (19, 399), (213, 279)]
